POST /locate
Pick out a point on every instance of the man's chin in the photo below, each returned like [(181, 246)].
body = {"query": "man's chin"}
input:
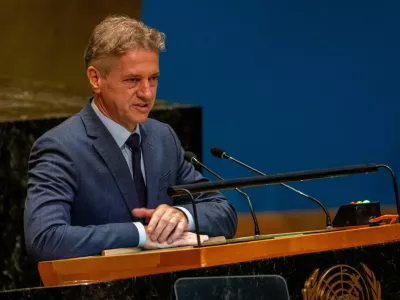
[(141, 119)]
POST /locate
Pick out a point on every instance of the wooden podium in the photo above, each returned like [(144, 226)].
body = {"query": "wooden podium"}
[(310, 253)]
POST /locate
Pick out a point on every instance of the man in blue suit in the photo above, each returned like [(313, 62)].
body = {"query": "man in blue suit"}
[(99, 180)]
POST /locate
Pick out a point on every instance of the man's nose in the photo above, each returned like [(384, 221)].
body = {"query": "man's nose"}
[(144, 90)]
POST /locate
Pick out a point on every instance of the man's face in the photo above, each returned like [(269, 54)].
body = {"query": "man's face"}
[(127, 94)]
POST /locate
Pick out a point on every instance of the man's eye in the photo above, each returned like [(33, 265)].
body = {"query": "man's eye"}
[(132, 80), (153, 81)]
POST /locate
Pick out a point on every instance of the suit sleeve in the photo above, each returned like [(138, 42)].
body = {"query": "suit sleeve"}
[(52, 185), (216, 215)]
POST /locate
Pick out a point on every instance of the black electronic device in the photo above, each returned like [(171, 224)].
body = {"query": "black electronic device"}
[(355, 214)]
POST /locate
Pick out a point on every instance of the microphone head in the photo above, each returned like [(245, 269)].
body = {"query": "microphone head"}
[(190, 157), (218, 152)]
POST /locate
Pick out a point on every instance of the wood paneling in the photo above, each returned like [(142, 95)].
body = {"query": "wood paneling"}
[(290, 221), (103, 268)]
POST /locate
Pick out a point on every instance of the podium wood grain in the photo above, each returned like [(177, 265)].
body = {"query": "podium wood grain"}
[(104, 268)]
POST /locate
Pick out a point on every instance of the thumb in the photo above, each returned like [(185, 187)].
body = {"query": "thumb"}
[(143, 213)]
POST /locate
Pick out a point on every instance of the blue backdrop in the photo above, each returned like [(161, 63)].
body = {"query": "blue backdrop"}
[(287, 86)]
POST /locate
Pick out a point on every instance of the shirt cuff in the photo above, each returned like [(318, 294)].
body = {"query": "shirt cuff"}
[(142, 233), (191, 225)]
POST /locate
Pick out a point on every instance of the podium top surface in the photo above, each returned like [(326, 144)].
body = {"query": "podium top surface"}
[(104, 268)]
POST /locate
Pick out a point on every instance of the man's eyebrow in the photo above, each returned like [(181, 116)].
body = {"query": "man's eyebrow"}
[(137, 75), (132, 75)]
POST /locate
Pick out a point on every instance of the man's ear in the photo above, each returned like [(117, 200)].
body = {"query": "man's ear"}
[(95, 78)]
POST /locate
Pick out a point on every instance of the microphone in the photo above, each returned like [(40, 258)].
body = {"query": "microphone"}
[(191, 157), (220, 153)]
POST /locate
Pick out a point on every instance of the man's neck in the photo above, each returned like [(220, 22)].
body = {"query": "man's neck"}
[(99, 103)]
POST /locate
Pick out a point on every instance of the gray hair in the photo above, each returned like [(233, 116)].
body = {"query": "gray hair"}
[(115, 36)]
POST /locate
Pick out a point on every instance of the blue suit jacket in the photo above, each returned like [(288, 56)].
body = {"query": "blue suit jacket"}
[(80, 191)]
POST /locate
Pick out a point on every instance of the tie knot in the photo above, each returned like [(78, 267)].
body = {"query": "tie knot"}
[(133, 142)]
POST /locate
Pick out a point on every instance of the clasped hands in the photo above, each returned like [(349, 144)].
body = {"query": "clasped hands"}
[(167, 227)]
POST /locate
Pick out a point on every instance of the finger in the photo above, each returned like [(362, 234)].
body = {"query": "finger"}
[(159, 212), (203, 238), (143, 213), (138, 212), (183, 218), (193, 239), (173, 223), (155, 245), (188, 239), (162, 223), (179, 229)]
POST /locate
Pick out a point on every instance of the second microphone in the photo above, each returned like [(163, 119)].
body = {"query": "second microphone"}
[(191, 157)]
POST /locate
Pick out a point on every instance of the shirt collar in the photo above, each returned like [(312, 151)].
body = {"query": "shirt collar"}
[(118, 132)]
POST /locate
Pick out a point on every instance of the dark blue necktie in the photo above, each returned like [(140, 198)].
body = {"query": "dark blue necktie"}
[(134, 143)]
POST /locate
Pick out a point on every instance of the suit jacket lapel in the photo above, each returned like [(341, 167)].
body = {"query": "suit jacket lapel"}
[(108, 149), (150, 165)]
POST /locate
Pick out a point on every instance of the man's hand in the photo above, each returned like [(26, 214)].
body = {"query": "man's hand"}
[(186, 239), (166, 223)]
